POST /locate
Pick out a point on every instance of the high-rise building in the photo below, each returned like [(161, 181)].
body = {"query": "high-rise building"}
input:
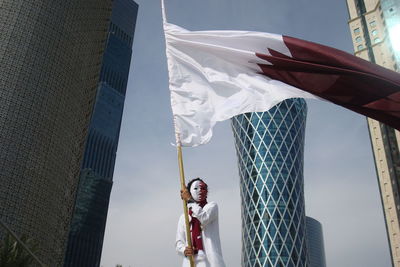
[(375, 30), (50, 53), (315, 243), (88, 225), (270, 147)]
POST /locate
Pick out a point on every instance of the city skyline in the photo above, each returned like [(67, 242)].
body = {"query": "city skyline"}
[(340, 181)]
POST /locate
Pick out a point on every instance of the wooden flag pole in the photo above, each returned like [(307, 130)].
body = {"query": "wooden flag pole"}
[(185, 208), (180, 163)]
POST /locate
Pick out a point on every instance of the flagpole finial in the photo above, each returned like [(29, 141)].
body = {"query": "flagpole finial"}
[(164, 16)]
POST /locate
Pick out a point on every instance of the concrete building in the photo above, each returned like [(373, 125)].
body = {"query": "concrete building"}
[(50, 53), (315, 243), (270, 147), (88, 225), (375, 30)]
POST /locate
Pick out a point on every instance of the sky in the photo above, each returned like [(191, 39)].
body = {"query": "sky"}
[(341, 189)]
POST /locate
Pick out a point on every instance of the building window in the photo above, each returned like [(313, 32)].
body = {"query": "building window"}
[(374, 32), (360, 47), (372, 23), (358, 39), (357, 30), (377, 40)]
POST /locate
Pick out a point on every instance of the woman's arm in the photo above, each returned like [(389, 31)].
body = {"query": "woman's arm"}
[(180, 243)]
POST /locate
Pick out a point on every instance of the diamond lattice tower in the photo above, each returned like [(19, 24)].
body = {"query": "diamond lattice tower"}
[(270, 148)]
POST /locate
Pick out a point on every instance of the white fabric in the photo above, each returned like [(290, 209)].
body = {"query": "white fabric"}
[(213, 76), (208, 217)]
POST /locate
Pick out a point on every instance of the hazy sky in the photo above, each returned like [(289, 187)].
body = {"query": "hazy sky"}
[(341, 189)]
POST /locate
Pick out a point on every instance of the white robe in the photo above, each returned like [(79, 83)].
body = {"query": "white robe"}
[(208, 217)]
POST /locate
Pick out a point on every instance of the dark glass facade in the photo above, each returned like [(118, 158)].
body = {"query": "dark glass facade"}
[(88, 225), (269, 146), (50, 56), (315, 243)]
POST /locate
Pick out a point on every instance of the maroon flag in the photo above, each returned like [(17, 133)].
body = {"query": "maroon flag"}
[(215, 75), (339, 77)]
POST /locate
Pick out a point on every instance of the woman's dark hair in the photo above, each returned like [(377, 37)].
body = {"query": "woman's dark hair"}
[(192, 181)]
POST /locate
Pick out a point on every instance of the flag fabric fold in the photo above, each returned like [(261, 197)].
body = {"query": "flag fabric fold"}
[(215, 75)]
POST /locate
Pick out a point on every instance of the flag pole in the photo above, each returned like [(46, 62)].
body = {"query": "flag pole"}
[(185, 208), (180, 163)]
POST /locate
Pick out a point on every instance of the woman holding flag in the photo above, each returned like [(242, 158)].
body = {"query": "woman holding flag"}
[(204, 228)]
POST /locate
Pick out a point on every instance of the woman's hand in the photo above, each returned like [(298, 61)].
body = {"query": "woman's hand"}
[(185, 194), (188, 252)]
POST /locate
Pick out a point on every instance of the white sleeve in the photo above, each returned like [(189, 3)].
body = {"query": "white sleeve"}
[(207, 214), (180, 243)]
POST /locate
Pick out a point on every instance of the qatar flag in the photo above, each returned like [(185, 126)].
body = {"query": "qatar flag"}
[(215, 75)]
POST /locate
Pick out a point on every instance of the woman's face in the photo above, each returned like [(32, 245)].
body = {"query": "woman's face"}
[(199, 191)]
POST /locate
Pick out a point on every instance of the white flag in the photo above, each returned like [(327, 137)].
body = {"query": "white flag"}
[(213, 76)]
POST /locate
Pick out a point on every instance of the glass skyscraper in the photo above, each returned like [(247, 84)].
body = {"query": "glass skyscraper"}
[(88, 225), (50, 54), (315, 243), (269, 147)]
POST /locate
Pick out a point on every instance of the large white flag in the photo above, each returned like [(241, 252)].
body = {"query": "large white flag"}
[(215, 75)]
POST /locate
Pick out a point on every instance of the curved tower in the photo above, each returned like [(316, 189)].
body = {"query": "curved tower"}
[(50, 53), (269, 146)]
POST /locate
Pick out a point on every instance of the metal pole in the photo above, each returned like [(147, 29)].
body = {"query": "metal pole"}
[(21, 243), (185, 208)]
